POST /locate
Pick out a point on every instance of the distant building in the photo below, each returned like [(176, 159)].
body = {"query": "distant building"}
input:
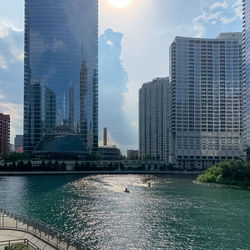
[(132, 154), (153, 119), (19, 143), (12, 148), (110, 153), (206, 109), (4, 133), (246, 67)]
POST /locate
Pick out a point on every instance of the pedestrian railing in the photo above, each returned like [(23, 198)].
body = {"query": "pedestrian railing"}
[(26, 242), (49, 234)]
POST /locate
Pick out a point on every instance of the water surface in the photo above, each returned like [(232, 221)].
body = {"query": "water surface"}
[(174, 213)]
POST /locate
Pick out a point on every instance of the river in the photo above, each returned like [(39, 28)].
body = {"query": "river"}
[(174, 213)]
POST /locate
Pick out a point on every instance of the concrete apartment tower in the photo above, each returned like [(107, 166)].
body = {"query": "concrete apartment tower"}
[(206, 123), (61, 73), (153, 119)]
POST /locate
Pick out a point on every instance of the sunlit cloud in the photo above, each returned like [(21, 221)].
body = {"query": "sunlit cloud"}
[(119, 3), (6, 27)]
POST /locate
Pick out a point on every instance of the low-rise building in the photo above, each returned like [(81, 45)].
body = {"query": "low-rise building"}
[(132, 154), (110, 153)]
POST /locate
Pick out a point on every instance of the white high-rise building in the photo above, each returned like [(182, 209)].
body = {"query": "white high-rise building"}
[(246, 67), (206, 100), (153, 119)]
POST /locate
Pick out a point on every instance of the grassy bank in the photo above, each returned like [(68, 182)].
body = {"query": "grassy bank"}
[(235, 172)]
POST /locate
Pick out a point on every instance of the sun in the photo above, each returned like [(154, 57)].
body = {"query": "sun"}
[(119, 3)]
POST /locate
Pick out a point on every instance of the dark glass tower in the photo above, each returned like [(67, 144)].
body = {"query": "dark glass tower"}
[(60, 72), (246, 67)]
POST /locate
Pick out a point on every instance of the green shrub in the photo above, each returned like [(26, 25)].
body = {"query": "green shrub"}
[(235, 172), (17, 246)]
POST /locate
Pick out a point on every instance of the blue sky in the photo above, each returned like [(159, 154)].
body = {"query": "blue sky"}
[(142, 34)]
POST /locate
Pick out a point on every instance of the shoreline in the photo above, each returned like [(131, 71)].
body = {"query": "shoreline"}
[(15, 173), (220, 185)]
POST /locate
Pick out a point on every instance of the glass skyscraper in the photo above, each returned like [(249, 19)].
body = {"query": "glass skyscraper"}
[(246, 67), (61, 70)]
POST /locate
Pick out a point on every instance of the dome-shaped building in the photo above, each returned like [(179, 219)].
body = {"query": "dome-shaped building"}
[(61, 143)]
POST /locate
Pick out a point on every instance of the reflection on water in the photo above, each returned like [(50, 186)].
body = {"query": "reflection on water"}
[(174, 213)]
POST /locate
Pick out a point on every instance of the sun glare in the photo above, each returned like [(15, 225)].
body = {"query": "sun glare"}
[(119, 3)]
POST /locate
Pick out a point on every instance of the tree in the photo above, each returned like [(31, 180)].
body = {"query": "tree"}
[(63, 167), (56, 166), (28, 166), (77, 166)]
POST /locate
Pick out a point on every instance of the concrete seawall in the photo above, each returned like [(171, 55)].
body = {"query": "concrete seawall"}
[(14, 173)]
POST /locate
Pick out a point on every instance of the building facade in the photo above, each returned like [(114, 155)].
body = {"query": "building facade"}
[(19, 143), (110, 153), (4, 133), (153, 119), (246, 67), (61, 70), (206, 122), (132, 154)]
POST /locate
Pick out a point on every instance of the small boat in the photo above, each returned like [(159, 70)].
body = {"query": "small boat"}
[(126, 190)]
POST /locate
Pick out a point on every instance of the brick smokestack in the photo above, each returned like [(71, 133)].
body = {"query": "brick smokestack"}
[(105, 138)]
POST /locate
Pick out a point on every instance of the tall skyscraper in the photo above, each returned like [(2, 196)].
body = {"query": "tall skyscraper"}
[(206, 100), (60, 72), (4, 133), (246, 67), (153, 119)]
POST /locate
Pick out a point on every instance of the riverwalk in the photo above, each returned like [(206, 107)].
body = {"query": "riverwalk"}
[(8, 237), (35, 234)]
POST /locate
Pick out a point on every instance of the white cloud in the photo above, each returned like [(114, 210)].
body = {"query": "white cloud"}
[(130, 106), (17, 53), (210, 15), (237, 6), (109, 43), (217, 5), (198, 25), (226, 20), (6, 27), (11, 49), (1, 96), (3, 63)]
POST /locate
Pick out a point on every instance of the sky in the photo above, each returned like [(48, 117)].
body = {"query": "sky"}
[(134, 40)]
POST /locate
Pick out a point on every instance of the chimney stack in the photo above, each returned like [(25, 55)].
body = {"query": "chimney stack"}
[(105, 138)]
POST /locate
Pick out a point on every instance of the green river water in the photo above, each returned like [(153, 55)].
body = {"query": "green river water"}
[(174, 213)]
